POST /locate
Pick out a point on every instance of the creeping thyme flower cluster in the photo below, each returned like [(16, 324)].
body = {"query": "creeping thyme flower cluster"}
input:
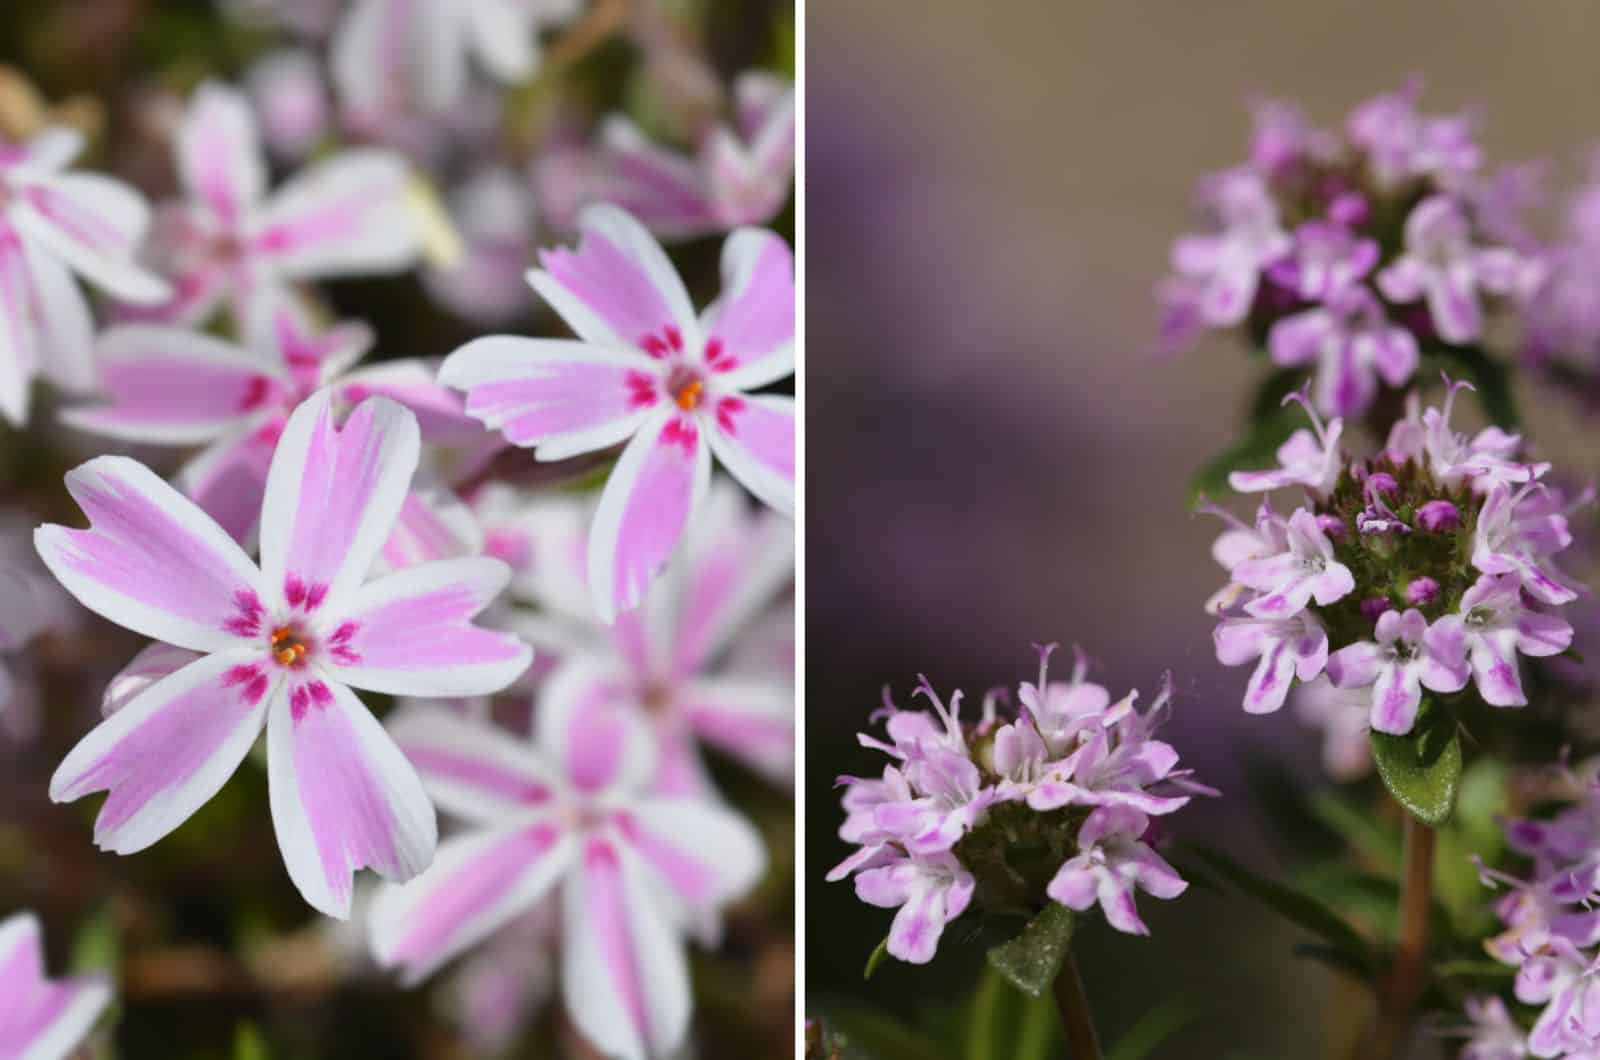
[(1551, 936), (1426, 566), (1055, 805), (1348, 254)]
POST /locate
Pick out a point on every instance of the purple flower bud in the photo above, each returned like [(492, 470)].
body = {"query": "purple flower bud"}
[(1382, 483), (1331, 525), (1373, 606), (1439, 517), (1349, 208), (1422, 591)]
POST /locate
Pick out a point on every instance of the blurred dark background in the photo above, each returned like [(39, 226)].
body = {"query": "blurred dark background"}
[(995, 454)]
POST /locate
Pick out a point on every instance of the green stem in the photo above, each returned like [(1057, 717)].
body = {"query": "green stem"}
[(1073, 1004), (1408, 975)]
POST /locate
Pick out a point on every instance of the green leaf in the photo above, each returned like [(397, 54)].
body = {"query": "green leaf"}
[(1153, 1028), (869, 1033), (1002, 1023), (879, 954), (1298, 908), (1336, 959), (1257, 449), (96, 947), (1422, 769), (1032, 959)]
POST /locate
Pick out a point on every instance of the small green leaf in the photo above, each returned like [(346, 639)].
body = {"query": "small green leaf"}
[(1002, 1023), (1366, 834), (247, 1043), (1295, 906), (1153, 1028), (1422, 769), (879, 955), (866, 1032), (1032, 959), (96, 947)]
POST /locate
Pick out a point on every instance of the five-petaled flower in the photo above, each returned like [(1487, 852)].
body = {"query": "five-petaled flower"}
[(230, 241), (54, 224), (647, 371), (1408, 656), (281, 647), (570, 819)]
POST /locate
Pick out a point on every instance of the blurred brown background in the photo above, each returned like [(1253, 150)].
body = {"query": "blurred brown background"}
[(995, 455)]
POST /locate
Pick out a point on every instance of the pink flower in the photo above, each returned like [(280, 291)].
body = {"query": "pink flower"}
[(571, 820), (1494, 1034), (929, 890), (40, 1019), (1442, 266), (1286, 647), (54, 224), (230, 240), (1303, 571), (1312, 460), (668, 661), (739, 175), (413, 54), (1517, 533), (170, 386), (1497, 626), (647, 371), (1408, 656), (1401, 144), (287, 90), (1111, 862), (1353, 344), (281, 646), (1341, 714), (1230, 261)]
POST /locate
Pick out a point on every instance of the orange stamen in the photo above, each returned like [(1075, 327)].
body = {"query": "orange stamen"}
[(286, 650), (689, 396)]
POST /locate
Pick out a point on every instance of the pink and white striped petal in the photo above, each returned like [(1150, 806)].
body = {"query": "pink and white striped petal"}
[(414, 383), (19, 338), (229, 477), (219, 152), (752, 720), (624, 975), (169, 750), (663, 190), (434, 524), (753, 437), (65, 324), (94, 224), (478, 883), (333, 495), (750, 328), (152, 561), (734, 564), (618, 287), (557, 396), (346, 215), (645, 506), (173, 386), (591, 728), (410, 633), (343, 795), (472, 769), (702, 852), (40, 1019)]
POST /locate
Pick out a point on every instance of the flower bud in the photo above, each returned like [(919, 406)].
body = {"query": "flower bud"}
[(1374, 606), (1439, 517), (1422, 591), (1331, 525), (1382, 483)]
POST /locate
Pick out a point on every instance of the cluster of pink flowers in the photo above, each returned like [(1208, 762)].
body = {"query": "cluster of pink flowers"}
[(1551, 936), (1429, 565), (1073, 774), (1346, 253)]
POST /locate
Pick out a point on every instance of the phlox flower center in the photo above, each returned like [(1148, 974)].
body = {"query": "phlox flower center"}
[(686, 386), (290, 646)]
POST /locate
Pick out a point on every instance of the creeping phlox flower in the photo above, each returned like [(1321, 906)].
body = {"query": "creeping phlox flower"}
[(54, 224), (170, 386), (1345, 254), (40, 1019), (280, 647), (1055, 805), (739, 174), (570, 821), (1551, 936), (646, 370), (1427, 566), (228, 241)]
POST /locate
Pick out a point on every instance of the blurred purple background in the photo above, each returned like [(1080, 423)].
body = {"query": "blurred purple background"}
[(995, 455)]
